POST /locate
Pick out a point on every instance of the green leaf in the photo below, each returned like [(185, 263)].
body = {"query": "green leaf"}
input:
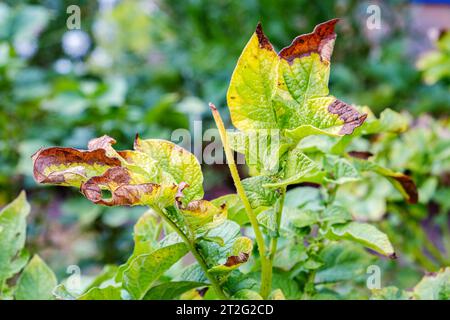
[(263, 148), (12, 237), (172, 290), (298, 168), (363, 233), (108, 273), (434, 286), (336, 214), (106, 293), (343, 261), (145, 269), (340, 170), (36, 282), (246, 294), (146, 233), (258, 195)]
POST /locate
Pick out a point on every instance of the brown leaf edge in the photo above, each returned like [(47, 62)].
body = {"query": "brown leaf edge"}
[(57, 156), (263, 41), (321, 41)]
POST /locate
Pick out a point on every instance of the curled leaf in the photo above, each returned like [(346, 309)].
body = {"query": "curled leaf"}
[(119, 182), (156, 173)]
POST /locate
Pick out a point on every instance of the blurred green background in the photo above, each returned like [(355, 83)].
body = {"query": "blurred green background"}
[(151, 66)]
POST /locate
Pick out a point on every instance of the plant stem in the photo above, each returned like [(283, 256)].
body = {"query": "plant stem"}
[(266, 267), (200, 260), (279, 212)]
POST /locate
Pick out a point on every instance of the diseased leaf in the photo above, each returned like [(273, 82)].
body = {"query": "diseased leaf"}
[(239, 254), (154, 174), (222, 259), (177, 162), (172, 290), (304, 71), (145, 269), (362, 233), (403, 183), (253, 85), (36, 282), (202, 215), (235, 208), (12, 237)]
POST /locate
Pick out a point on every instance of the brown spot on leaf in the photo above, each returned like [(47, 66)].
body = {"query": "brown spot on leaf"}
[(264, 42), (321, 41), (117, 181), (364, 155), (351, 117), (234, 260), (392, 256)]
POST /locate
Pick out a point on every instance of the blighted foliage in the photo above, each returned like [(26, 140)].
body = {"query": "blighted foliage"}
[(303, 135)]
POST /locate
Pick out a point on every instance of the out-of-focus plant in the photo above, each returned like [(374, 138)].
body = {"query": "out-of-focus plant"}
[(436, 64)]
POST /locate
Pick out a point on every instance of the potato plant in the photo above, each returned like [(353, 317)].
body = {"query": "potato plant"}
[(285, 234)]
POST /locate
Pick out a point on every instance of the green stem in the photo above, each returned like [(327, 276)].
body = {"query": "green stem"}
[(200, 260), (279, 212), (266, 267)]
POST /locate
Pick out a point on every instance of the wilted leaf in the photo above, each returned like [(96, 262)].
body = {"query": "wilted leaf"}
[(36, 282), (154, 174), (403, 183)]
